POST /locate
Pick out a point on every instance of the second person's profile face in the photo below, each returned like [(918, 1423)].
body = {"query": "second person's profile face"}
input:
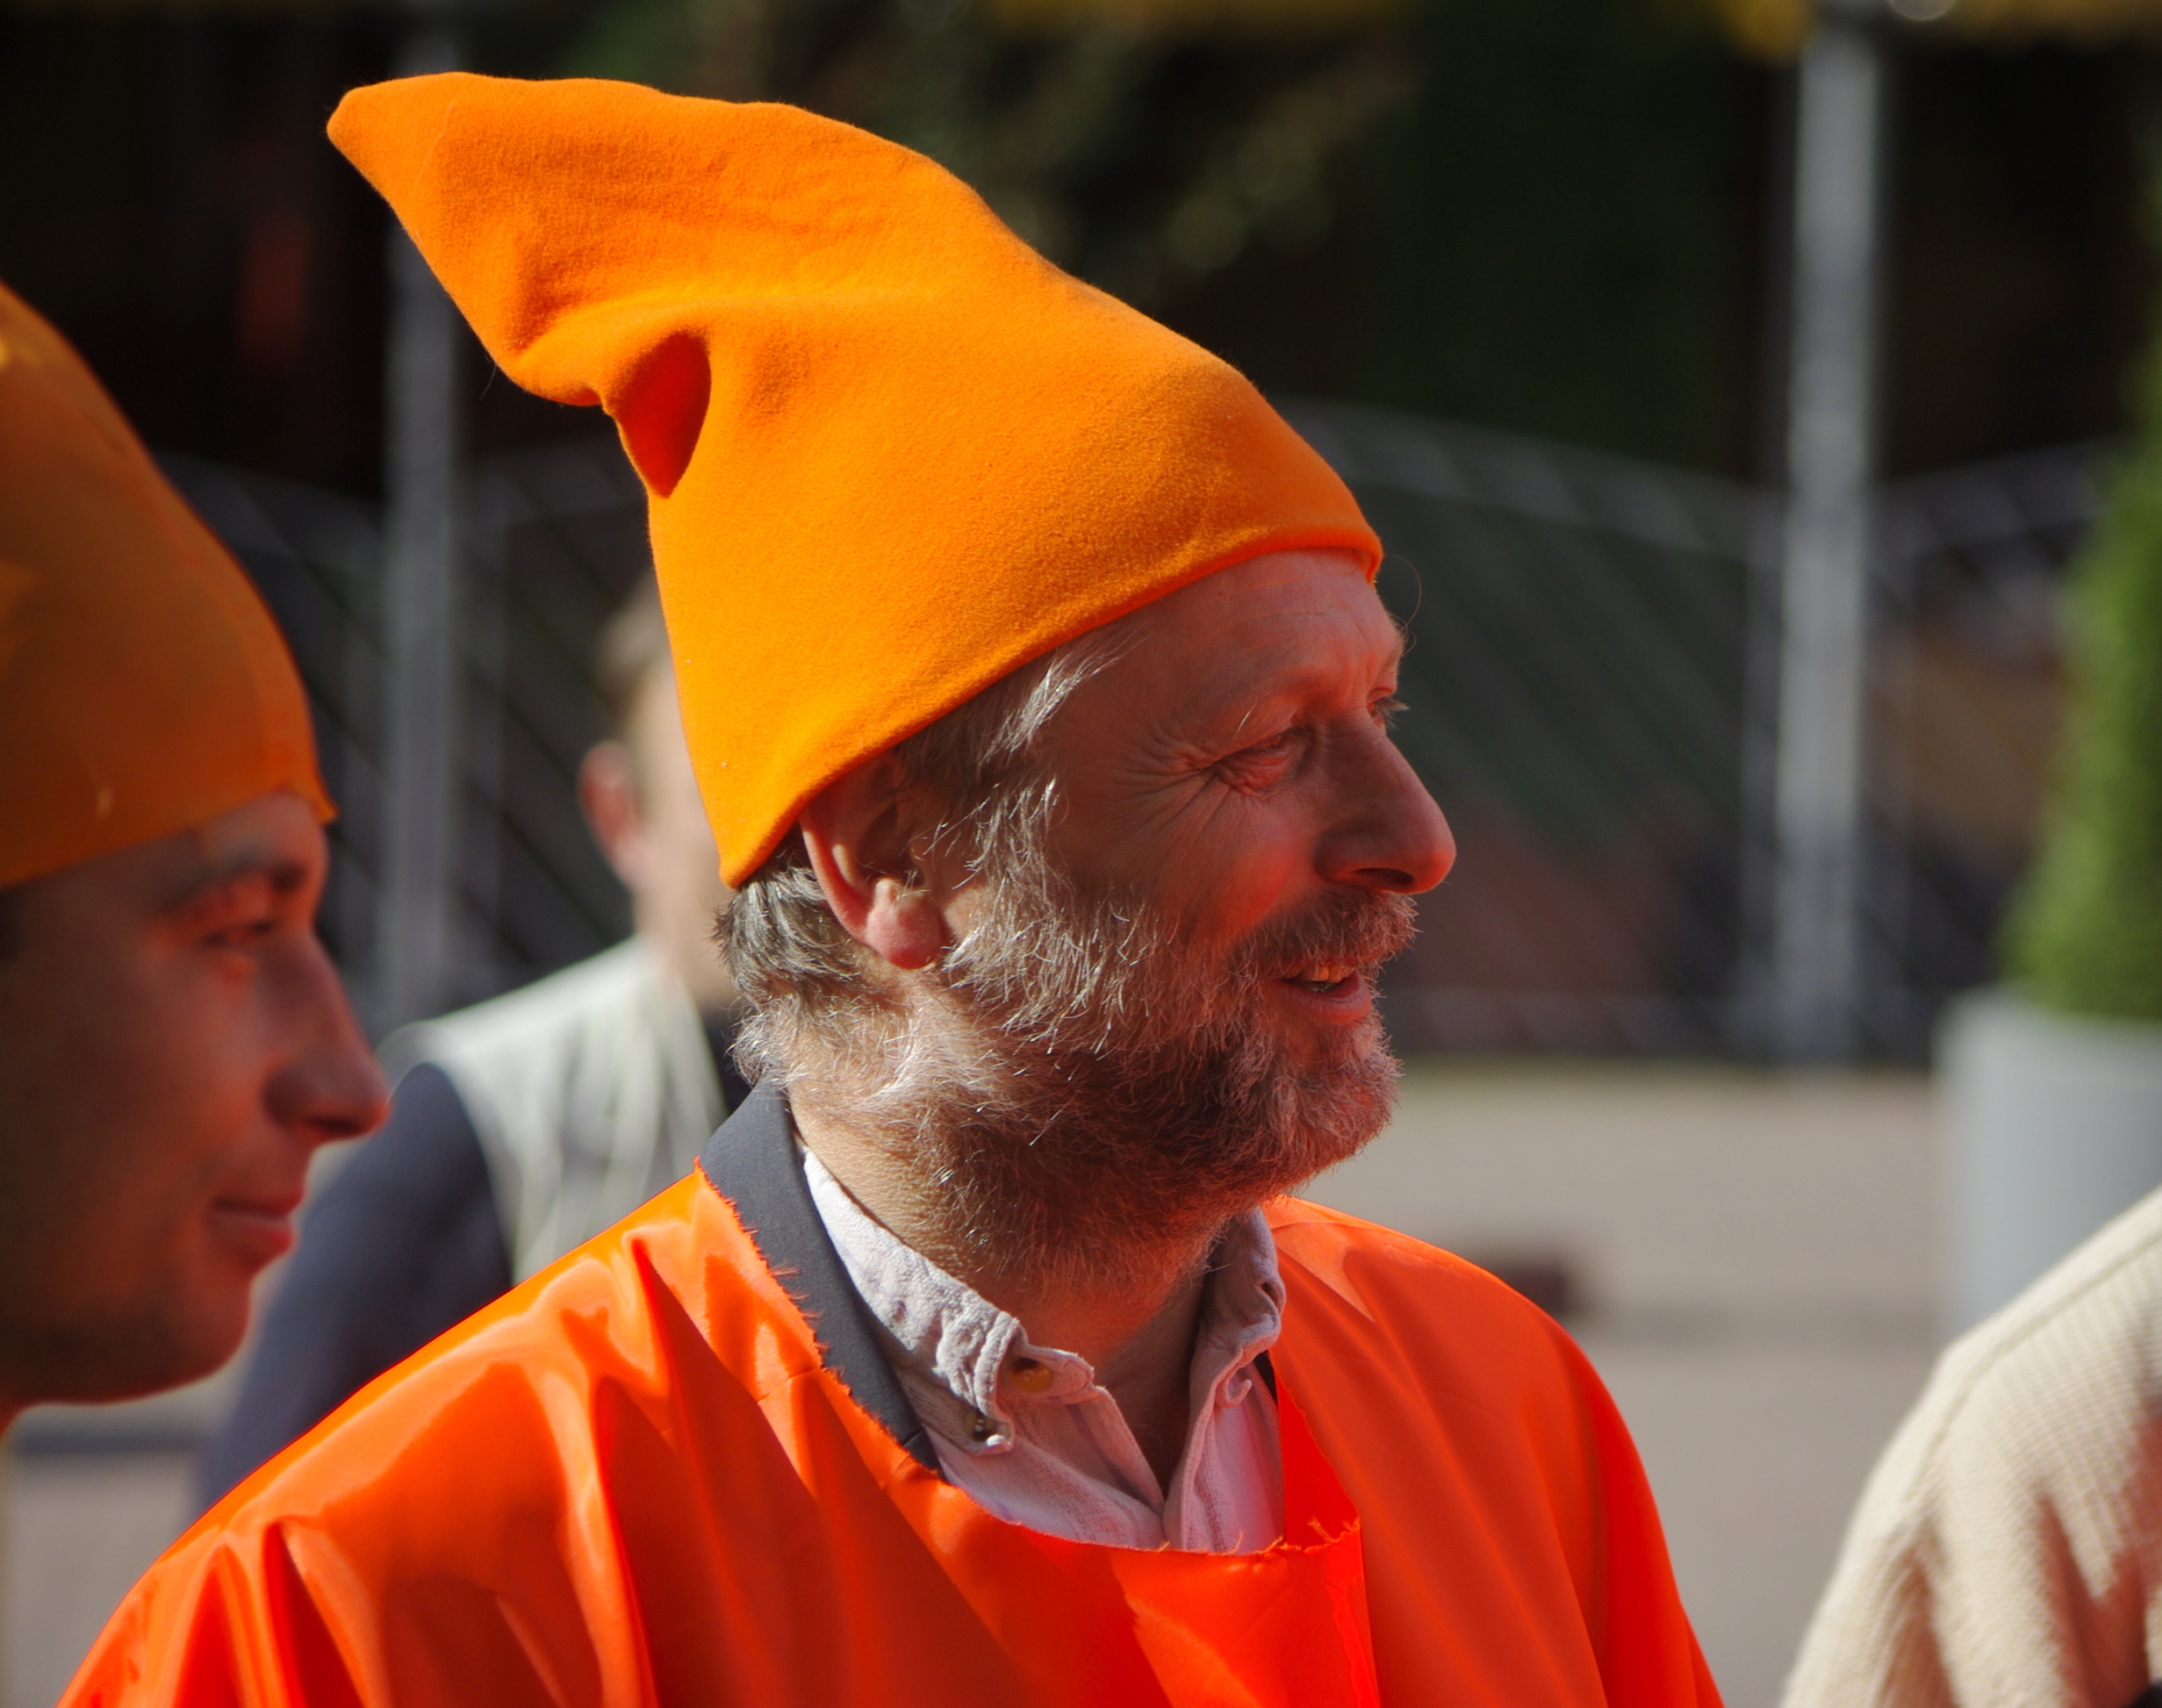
[(174, 1044)]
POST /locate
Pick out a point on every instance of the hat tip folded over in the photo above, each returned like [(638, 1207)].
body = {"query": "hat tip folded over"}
[(388, 129)]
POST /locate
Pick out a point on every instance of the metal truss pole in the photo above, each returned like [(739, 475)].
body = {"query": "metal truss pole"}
[(416, 919), (1817, 971)]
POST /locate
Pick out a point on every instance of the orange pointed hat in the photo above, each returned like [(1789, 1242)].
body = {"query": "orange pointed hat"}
[(144, 687), (891, 454)]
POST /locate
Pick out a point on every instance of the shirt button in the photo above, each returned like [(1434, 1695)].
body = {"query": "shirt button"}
[(1029, 1376)]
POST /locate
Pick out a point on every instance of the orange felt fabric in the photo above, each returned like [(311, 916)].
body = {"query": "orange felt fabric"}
[(891, 452), (631, 1483), (144, 688)]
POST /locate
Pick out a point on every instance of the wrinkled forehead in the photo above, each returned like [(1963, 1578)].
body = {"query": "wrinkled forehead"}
[(1287, 624)]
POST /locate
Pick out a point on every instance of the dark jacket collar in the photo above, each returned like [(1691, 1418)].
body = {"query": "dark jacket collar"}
[(752, 1162)]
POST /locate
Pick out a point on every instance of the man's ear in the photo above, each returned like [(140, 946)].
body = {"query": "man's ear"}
[(856, 832), (608, 796)]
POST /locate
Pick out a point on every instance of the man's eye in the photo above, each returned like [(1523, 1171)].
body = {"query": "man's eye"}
[(1261, 752), (1386, 711), (238, 915), (1262, 762), (242, 933)]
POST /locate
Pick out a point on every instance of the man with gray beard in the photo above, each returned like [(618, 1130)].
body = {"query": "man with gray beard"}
[(1038, 695), (1064, 1056), (1090, 1079)]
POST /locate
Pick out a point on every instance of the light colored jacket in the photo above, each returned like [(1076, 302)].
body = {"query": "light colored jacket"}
[(2007, 1550), (591, 1090)]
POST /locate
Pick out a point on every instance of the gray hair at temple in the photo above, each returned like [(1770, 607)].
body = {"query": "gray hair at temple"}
[(807, 982)]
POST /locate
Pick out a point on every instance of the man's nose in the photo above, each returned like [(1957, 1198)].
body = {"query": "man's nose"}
[(329, 1086), (1389, 833)]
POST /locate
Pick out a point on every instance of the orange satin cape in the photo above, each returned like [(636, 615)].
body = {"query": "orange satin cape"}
[(144, 687), (632, 1482)]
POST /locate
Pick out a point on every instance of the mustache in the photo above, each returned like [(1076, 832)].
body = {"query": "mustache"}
[(1358, 929)]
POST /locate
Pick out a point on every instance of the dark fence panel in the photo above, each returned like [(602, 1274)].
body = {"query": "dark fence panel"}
[(559, 539), (1575, 693), (317, 557), (1967, 690)]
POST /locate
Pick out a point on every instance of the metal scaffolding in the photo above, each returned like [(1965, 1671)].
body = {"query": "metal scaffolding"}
[(1816, 974), (415, 937)]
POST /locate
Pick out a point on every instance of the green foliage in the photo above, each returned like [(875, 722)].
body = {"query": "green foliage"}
[(1529, 214), (2086, 936), (1556, 231), (1146, 161)]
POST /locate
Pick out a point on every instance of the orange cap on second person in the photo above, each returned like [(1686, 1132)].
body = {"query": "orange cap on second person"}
[(144, 687), (891, 452)]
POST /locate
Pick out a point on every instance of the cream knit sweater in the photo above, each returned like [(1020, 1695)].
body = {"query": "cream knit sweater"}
[(2007, 1550)]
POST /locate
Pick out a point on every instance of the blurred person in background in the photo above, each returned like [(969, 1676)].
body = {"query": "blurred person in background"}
[(2008, 1549), (524, 1126), (1037, 691), (174, 1043)]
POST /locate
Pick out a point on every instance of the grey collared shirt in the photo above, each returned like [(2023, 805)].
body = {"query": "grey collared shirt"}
[(1028, 1432)]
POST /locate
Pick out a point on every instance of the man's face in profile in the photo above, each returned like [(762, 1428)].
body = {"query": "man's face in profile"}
[(1233, 774), (1165, 1014), (173, 1044)]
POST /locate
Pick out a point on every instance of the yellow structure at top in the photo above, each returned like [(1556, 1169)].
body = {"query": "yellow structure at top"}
[(1236, 17), (1779, 28)]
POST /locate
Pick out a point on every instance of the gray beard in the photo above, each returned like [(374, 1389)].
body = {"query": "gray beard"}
[(1089, 1099)]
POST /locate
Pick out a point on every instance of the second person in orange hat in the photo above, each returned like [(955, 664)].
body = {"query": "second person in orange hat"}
[(174, 1041), (1038, 694), (526, 1126)]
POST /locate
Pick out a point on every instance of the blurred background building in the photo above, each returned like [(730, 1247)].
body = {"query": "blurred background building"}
[(1526, 270)]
